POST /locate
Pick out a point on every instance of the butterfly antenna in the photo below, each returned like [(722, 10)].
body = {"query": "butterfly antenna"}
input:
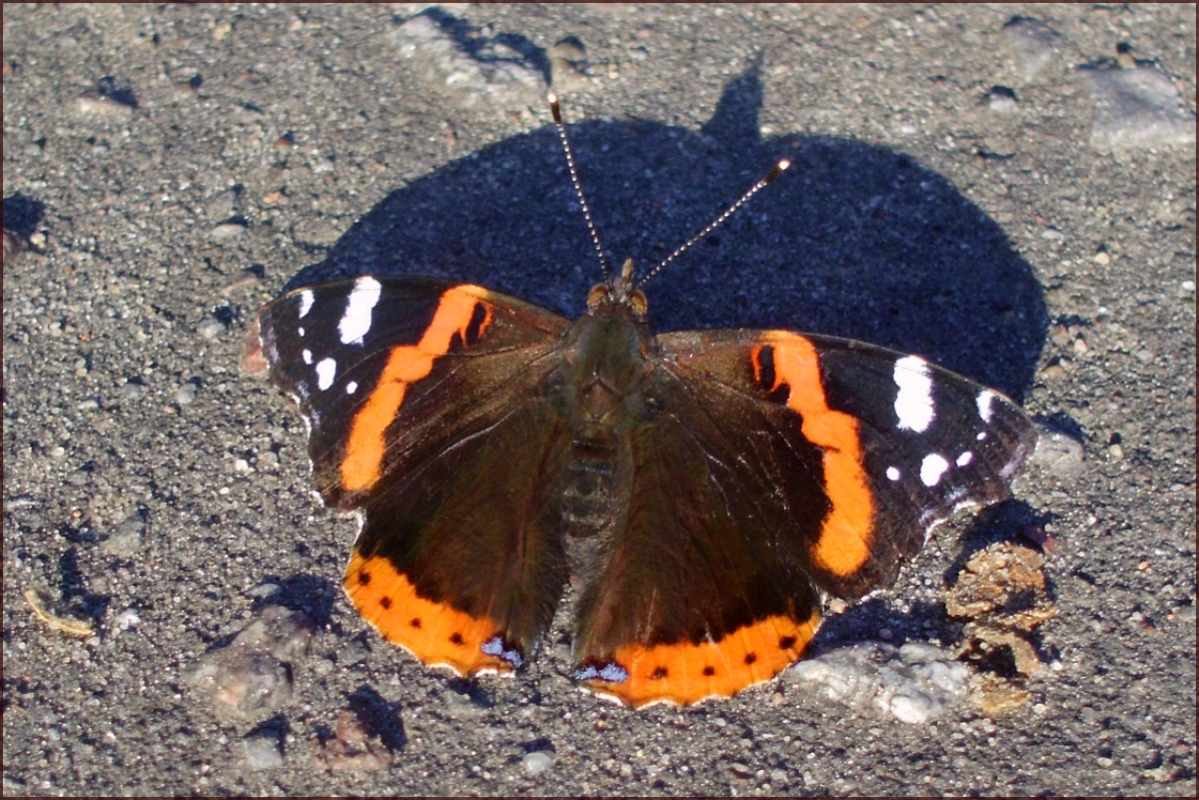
[(779, 168), (574, 178)]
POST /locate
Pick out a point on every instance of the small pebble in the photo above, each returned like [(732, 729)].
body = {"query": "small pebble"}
[(1053, 372), (211, 328), (126, 619), (569, 48), (226, 231), (1102, 258), (263, 751), (186, 394), (1058, 453), (80, 477), (1136, 107), (224, 204), (252, 676), (1115, 452), (132, 391), (127, 539), (565, 58), (1032, 43), (1002, 100), (98, 105), (1052, 234), (245, 279), (537, 762)]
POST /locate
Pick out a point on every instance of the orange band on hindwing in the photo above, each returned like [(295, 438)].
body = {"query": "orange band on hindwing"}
[(436, 633), (686, 673), (846, 533), (362, 465)]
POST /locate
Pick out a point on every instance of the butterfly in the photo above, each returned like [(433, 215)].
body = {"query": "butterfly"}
[(703, 488)]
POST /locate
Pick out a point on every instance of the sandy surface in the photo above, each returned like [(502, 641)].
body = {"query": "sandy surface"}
[(175, 166)]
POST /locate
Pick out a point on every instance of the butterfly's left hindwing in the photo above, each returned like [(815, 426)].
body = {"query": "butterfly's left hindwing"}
[(420, 396)]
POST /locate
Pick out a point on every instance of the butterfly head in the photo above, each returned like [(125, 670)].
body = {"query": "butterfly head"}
[(619, 293)]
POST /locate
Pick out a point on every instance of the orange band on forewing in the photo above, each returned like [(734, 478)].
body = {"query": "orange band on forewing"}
[(363, 462), (436, 633), (845, 536), (686, 673)]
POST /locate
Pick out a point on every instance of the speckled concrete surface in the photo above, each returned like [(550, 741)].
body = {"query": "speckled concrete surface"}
[(169, 168)]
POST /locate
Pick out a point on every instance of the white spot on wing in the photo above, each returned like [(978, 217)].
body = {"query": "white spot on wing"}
[(306, 299), (610, 672), (351, 387), (893, 473), (357, 319), (326, 369), (495, 647), (307, 356), (300, 330), (981, 435), (914, 401), (932, 468), (985, 398), (965, 458)]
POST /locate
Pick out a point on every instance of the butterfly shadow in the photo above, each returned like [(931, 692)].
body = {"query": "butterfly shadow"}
[(855, 240)]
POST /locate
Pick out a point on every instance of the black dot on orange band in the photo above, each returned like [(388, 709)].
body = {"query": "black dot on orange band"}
[(456, 638), (658, 674), (385, 602), (415, 622), (709, 671), (364, 577), (751, 658), (786, 643)]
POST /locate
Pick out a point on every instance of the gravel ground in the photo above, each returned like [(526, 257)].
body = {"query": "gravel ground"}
[(1013, 198)]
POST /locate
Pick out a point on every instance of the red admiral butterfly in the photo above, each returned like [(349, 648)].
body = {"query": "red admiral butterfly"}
[(705, 485)]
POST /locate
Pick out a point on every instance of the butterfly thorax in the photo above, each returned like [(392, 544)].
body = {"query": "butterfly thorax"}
[(608, 354), (600, 390)]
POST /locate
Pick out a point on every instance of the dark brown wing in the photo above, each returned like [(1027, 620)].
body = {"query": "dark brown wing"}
[(420, 395), (775, 462)]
